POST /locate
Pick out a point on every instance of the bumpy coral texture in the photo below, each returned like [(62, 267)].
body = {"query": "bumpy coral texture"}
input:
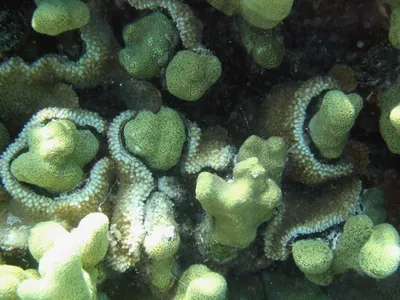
[(157, 138), (189, 74), (53, 17), (266, 48), (271, 154), (389, 121), (147, 45), (54, 144), (240, 206), (284, 113), (66, 268), (199, 282), (59, 151), (330, 126), (373, 250)]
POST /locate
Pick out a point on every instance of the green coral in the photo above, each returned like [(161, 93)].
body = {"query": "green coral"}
[(380, 256), (147, 45), (264, 46), (53, 17), (240, 206), (265, 13), (162, 240), (389, 121), (59, 151), (330, 126), (157, 138), (189, 74), (312, 256), (374, 250), (67, 268), (271, 154), (200, 283)]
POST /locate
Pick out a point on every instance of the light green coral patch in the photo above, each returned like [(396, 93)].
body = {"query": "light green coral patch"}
[(240, 206), (380, 256), (157, 138), (265, 13), (330, 126), (263, 46), (148, 43), (58, 151), (189, 75), (200, 283), (312, 256), (53, 17), (271, 154)]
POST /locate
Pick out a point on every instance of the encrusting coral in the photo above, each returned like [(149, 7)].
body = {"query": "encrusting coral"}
[(210, 148), (84, 196), (27, 88)]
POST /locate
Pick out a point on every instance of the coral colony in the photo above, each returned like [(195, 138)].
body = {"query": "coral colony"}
[(219, 149)]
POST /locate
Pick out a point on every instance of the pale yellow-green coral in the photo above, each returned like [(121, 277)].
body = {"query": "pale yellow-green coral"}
[(64, 271), (373, 250), (330, 126), (190, 74), (312, 256), (69, 207), (162, 240), (156, 138), (59, 151), (271, 154), (200, 283), (389, 121), (240, 206), (53, 17), (283, 113), (135, 184), (148, 43)]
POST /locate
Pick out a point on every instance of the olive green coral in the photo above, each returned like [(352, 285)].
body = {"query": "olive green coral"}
[(53, 17), (330, 126), (389, 121), (263, 46), (190, 74), (373, 250), (79, 201), (147, 45), (66, 268), (271, 154), (200, 283), (312, 256), (240, 206), (157, 138), (59, 151)]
